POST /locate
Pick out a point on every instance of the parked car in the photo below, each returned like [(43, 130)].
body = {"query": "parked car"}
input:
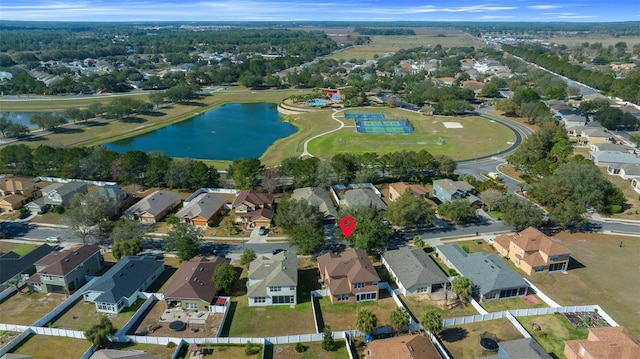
[(4, 234), (276, 251), (263, 231), (53, 239)]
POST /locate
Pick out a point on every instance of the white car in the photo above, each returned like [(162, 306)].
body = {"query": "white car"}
[(53, 239)]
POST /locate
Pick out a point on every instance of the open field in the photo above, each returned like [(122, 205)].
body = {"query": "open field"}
[(458, 143), (49, 347), (554, 330), (600, 272), (342, 316), (27, 307), (58, 103), (463, 341), (605, 41), (81, 316), (313, 350), (19, 248)]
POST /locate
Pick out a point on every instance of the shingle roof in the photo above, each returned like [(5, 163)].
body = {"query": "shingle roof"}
[(65, 189), (608, 342), (124, 278), (11, 264), (526, 348), (317, 197), (402, 347), (193, 280), (612, 147), (13, 199), (415, 189), (110, 191), (353, 264), (253, 197), (154, 203), (205, 206), (63, 262), (363, 197), (613, 157), (261, 212), (16, 184), (485, 270), (279, 270), (531, 239), (454, 186), (413, 267)]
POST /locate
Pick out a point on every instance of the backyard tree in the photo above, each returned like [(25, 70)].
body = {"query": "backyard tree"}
[(302, 222), (458, 210), (245, 172), (127, 247), (247, 256), (126, 229), (185, 239), (418, 241), (491, 197), (86, 214), (366, 321), (328, 343), (463, 287), (225, 278), (431, 321), (400, 318), (98, 334), (409, 210), (371, 231)]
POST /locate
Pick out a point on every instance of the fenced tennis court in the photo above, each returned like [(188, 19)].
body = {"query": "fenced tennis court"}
[(386, 126), (364, 116)]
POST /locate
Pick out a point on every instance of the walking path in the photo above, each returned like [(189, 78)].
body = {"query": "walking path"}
[(306, 143)]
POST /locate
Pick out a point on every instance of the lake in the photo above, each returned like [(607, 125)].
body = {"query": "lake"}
[(225, 133), (22, 117)]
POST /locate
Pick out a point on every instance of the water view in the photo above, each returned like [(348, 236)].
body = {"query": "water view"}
[(22, 118), (226, 133)]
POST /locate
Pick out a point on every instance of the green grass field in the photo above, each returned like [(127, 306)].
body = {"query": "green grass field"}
[(49, 347), (606, 41), (556, 329)]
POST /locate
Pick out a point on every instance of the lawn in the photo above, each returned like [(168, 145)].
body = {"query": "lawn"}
[(81, 316), (313, 350), (342, 316), (459, 143), (513, 303), (158, 351), (463, 341), (229, 352), (605, 41), (19, 248), (49, 347), (554, 330), (418, 304), (28, 307), (632, 200), (600, 272), (245, 321)]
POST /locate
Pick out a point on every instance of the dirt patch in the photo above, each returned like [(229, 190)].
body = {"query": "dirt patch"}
[(150, 325)]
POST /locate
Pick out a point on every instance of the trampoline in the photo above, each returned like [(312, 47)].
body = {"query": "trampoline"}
[(177, 325), (489, 342)]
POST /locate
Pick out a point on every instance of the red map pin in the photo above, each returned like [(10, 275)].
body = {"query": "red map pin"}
[(347, 224)]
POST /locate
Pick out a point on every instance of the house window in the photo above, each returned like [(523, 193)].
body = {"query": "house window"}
[(421, 290), (509, 293), (259, 300), (191, 306), (358, 285), (557, 267), (553, 258), (282, 299), (343, 297), (292, 288), (366, 296), (275, 289), (539, 269)]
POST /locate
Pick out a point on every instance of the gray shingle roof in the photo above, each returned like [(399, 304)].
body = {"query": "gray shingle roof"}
[(205, 206), (613, 157), (317, 197), (154, 203), (413, 267), (485, 270), (279, 270), (124, 278), (363, 197), (526, 348), (12, 264)]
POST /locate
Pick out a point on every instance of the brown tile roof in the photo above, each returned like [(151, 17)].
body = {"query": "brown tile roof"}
[(253, 197), (16, 184), (412, 347), (472, 85), (535, 259), (13, 199), (610, 342), (353, 264), (63, 262), (503, 240), (262, 212), (532, 239), (193, 280), (416, 189)]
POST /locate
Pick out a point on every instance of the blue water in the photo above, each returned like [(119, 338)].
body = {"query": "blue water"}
[(21, 117), (316, 102), (226, 133)]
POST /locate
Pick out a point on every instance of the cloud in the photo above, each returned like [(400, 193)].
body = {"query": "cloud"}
[(544, 7)]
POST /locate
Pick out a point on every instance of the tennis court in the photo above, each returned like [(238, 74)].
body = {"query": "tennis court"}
[(386, 126), (364, 116)]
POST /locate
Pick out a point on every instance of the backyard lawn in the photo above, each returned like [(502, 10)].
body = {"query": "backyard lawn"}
[(28, 307), (554, 330), (342, 316), (159, 351), (462, 341), (312, 350), (418, 304), (513, 303), (50, 347), (226, 352), (600, 272), (81, 316)]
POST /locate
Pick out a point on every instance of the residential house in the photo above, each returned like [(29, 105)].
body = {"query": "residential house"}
[(635, 184), (37, 206), (60, 194), (402, 347), (533, 251), (612, 147), (13, 265), (273, 281), (114, 193), (153, 207), (363, 197), (526, 348), (492, 278), (606, 158), (349, 277), (415, 272), (626, 171), (12, 202), (253, 208), (65, 271), (206, 207), (121, 354), (595, 135), (576, 131), (122, 284), (474, 86), (23, 186), (320, 198), (397, 189), (606, 342), (191, 287), (447, 190)]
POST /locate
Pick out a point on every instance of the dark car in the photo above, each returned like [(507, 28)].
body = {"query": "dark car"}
[(276, 251), (4, 234), (263, 231)]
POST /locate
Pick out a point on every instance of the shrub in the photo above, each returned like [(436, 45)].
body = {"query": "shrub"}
[(171, 345), (248, 349), (328, 343), (452, 272), (300, 348), (465, 248), (613, 208)]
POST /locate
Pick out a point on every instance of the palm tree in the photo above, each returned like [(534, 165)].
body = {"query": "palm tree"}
[(399, 318), (418, 241), (15, 282), (366, 321), (463, 287), (431, 321)]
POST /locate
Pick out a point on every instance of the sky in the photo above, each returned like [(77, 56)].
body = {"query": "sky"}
[(321, 10)]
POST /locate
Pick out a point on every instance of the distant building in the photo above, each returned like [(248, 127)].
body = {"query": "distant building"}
[(533, 251), (402, 347), (320, 198), (153, 207)]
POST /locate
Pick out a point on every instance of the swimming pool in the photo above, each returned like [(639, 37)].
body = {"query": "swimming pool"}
[(316, 102)]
